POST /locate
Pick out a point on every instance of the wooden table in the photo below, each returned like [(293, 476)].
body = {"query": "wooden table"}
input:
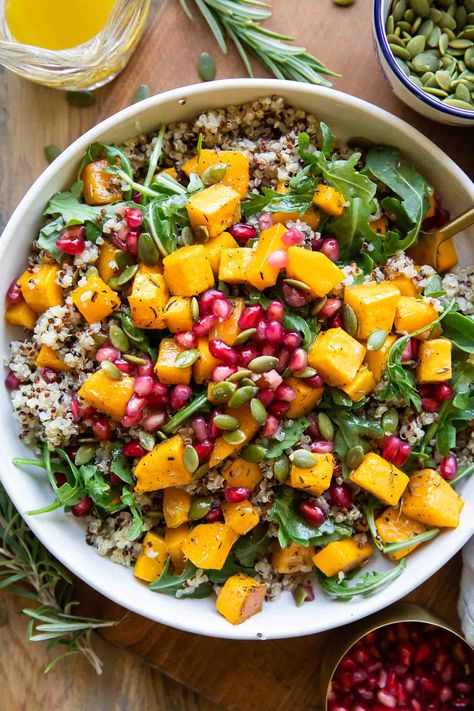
[(32, 116)]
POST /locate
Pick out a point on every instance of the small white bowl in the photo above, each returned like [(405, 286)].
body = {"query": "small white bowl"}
[(403, 87)]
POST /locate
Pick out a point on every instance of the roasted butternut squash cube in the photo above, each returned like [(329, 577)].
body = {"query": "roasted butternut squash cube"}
[(239, 598), (249, 427), (216, 208), (214, 248), (393, 527), (383, 479), (361, 386), (342, 556), (329, 200), (434, 361), (165, 368), (174, 539), (229, 329), (21, 315), (239, 472), (431, 500), (234, 265), (336, 356), (48, 358), (314, 269), (293, 559), (405, 285), (172, 172), (106, 264), (178, 315), (413, 314), (376, 361), (237, 174), (432, 206), (99, 188), (260, 274), (306, 397), (151, 562), (374, 305), (163, 466), (379, 226), (107, 395), (176, 505), (149, 298), (205, 364), (39, 288), (187, 271), (242, 516), (208, 545), (446, 257), (190, 166), (95, 299), (316, 479), (311, 216)]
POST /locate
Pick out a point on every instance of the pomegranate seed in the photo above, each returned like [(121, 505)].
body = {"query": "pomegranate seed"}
[(247, 353), (212, 428), (199, 426), (402, 455), (269, 349), (359, 676), (82, 507), (220, 350), (429, 404), (133, 216), (275, 332), (222, 309), (406, 653), (242, 233), (261, 334), (428, 685), (298, 360), (60, 478), (102, 429), (341, 495), (133, 450), (317, 243), (415, 345), (12, 382), (204, 325), (14, 294), (124, 366), (330, 308), (295, 297), (265, 221), (270, 428), (315, 381), (330, 248), (153, 422), (187, 339), (203, 449), (128, 421), (278, 259), (236, 494), (114, 479), (283, 359), (107, 352), (443, 391), (313, 428), (292, 340), (147, 368), (335, 321), (222, 372), (407, 353), (285, 392), (442, 217), (312, 513), (292, 237), (391, 447), (449, 466), (250, 317), (323, 446), (135, 406), (278, 408), (214, 515), (266, 396), (143, 385), (180, 395), (158, 396), (132, 242), (310, 596), (79, 412), (425, 390), (386, 699), (119, 239), (72, 240), (207, 297), (275, 311), (445, 693)]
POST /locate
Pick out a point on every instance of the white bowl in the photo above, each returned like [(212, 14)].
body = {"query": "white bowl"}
[(403, 87), (62, 534)]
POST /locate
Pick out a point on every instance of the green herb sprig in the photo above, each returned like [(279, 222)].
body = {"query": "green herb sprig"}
[(367, 584)]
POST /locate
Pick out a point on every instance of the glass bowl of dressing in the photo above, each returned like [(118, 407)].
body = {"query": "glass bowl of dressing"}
[(73, 44)]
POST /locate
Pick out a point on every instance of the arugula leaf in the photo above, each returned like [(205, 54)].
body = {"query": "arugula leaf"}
[(367, 584), (138, 337), (464, 473), (401, 383), (137, 527), (48, 236), (94, 482), (394, 546), (229, 568), (250, 547), (328, 139), (292, 528), (175, 585), (352, 228), (460, 330), (162, 217), (351, 429), (455, 414), (74, 212), (120, 466), (292, 435), (295, 200)]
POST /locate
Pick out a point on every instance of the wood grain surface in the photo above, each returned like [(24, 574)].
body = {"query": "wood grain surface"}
[(236, 675)]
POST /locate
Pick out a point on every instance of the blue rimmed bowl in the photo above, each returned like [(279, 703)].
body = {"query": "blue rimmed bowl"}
[(403, 87)]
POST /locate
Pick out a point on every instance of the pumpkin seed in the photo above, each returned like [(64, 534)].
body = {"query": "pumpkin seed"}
[(354, 457), (376, 339), (390, 26), (461, 44), (308, 372), (435, 14), (426, 77), (443, 43), (399, 10), (51, 152), (349, 319), (417, 81), (194, 309), (200, 508), (80, 98), (206, 67), (416, 26), (318, 305), (122, 259), (462, 93), (444, 79), (143, 92), (468, 32), (416, 45), (118, 338), (134, 359), (281, 468), (147, 250), (325, 426), (420, 8), (400, 52), (111, 370), (394, 39), (244, 336), (262, 364), (458, 104), (187, 236), (200, 472), (409, 15), (214, 173), (343, 3), (147, 440), (259, 413), (99, 339), (187, 358), (404, 26), (340, 398), (253, 453), (426, 62), (236, 437), (434, 37), (426, 28), (303, 459), (243, 395), (402, 66), (190, 458), (435, 92), (239, 375), (222, 392), (123, 278), (226, 422), (297, 284), (447, 21), (90, 271), (389, 421), (201, 234), (84, 454)]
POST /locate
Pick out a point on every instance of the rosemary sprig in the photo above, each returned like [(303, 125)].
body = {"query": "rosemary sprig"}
[(28, 570), (240, 21)]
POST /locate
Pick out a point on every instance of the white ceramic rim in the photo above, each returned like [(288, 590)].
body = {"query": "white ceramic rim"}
[(195, 623)]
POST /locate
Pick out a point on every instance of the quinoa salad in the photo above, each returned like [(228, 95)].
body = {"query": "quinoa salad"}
[(235, 364)]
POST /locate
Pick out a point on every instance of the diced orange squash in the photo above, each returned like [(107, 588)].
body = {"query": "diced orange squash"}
[(361, 386), (239, 472), (237, 174), (413, 314), (432, 206), (174, 539), (21, 315), (106, 257), (149, 298), (342, 556), (172, 172), (430, 499), (95, 299), (163, 466), (311, 216), (379, 226), (374, 305), (383, 479), (234, 265), (434, 361), (48, 358), (239, 598), (315, 480), (204, 365), (314, 269), (393, 527), (99, 188), (329, 200), (190, 166), (405, 285), (306, 397), (229, 329), (151, 562), (176, 505), (187, 271), (336, 356), (249, 427), (214, 248), (216, 208), (178, 314), (293, 559), (242, 516), (39, 288), (208, 545), (165, 368), (376, 361), (107, 395), (261, 274), (446, 256)]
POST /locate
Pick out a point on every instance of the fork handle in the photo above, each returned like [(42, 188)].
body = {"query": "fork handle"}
[(461, 222)]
